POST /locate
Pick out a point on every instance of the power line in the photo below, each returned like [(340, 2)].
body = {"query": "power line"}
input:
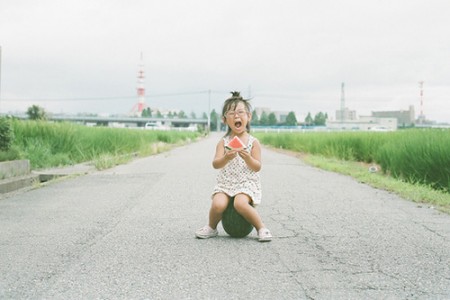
[(66, 99), (107, 97), (278, 96)]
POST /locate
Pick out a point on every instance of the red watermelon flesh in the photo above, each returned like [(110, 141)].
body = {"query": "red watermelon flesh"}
[(235, 144)]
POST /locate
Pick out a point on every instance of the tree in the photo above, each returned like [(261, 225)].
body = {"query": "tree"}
[(36, 112), (264, 120), (159, 114), (213, 120), (193, 115), (309, 120), (255, 119), (291, 120), (147, 112), (320, 119), (272, 119), (182, 114)]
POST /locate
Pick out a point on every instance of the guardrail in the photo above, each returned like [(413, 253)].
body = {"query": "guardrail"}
[(131, 120)]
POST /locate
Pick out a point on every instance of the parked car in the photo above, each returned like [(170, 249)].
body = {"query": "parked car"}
[(155, 126)]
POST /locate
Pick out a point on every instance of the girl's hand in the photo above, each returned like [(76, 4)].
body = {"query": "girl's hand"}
[(230, 154), (244, 154), (253, 158)]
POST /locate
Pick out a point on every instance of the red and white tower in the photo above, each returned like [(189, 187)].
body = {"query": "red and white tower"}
[(140, 106)]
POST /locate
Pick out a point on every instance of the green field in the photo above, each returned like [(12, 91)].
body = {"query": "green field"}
[(48, 144), (415, 164)]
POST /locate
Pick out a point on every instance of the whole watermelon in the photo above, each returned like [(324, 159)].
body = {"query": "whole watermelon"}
[(233, 223)]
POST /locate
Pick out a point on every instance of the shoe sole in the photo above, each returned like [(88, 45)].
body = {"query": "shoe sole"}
[(205, 236)]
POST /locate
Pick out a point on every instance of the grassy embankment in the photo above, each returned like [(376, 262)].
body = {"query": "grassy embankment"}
[(59, 144), (412, 163)]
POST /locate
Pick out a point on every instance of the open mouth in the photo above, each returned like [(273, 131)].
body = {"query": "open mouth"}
[(238, 124)]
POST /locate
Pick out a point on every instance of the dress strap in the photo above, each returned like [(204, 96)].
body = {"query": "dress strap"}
[(251, 139)]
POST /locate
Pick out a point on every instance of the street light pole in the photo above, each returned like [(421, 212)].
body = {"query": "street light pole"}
[(209, 110)]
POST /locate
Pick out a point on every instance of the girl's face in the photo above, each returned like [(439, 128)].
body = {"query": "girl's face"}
[(238, 118)]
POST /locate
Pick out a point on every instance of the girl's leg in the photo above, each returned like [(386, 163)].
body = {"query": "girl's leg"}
[(243, 207), (218, 206)]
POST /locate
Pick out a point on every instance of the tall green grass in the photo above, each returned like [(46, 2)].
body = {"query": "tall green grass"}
[(56, 144), (343, 145), (418, 156)]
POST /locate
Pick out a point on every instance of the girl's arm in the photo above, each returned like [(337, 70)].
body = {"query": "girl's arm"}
[(253, 159), (222, 157)]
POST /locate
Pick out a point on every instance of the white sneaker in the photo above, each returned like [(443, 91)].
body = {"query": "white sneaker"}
[(206, 232), (264, 235)]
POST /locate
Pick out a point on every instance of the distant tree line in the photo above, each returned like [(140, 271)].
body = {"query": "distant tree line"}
[(265, 119), (149, 113), (291, 120), (36, 112), (320, 119)]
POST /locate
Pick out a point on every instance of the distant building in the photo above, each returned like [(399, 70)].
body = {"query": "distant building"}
[(364, 123), (405, 118), (259, 111), (281, 116), (345, 115)]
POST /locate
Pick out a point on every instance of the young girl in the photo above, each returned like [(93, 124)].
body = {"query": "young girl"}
[(238, 174)]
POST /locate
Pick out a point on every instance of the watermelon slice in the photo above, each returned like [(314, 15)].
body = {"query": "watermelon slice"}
[(235, 144)]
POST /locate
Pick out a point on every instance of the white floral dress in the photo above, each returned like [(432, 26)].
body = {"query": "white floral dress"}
[(236, 177)]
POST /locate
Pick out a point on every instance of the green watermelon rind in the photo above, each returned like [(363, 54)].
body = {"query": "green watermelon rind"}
[(233, 223)]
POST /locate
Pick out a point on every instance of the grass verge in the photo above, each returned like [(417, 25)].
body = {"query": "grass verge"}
[(419, 193), (49, 145)]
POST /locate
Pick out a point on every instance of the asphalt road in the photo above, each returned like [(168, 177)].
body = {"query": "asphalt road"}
[(128, 233)]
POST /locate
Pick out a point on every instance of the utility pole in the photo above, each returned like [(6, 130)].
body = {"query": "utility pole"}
[(209, 109), (0, 75), (342, 103)]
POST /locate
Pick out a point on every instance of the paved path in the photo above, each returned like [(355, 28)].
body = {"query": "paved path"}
[(128, 233)]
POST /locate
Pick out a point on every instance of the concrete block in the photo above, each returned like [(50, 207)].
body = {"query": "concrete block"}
[(16, 183), (15, 168)]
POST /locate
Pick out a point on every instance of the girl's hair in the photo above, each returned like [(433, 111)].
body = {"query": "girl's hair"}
[(231, 103)]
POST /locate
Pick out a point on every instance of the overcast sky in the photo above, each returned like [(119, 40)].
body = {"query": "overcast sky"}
[(83, 55)]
